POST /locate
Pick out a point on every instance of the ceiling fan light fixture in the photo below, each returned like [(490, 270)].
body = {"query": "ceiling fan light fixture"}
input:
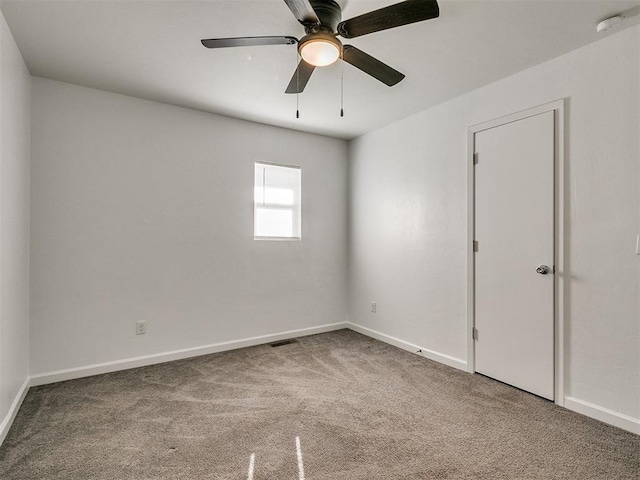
[(322, 22), (320, 50)]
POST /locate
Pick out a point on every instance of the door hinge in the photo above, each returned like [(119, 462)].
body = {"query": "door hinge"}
[(475, 245), (474, 333), (475, 158)]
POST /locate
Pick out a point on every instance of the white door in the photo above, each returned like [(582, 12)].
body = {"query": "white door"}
[(514, 228)]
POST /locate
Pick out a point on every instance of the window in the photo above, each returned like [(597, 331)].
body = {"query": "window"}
[(276, 204)]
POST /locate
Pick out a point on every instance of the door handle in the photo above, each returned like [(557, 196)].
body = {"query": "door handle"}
[(543, 269)]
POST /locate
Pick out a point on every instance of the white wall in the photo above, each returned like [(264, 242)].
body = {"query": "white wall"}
[(15, 95), (408, 217), (144, 211)]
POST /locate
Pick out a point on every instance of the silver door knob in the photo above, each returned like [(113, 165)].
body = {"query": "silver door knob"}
[(543, 269)]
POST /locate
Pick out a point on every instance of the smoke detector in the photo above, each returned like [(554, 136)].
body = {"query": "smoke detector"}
[(609, 23)]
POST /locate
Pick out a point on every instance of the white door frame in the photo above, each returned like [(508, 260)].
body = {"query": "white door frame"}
[(559, 245)]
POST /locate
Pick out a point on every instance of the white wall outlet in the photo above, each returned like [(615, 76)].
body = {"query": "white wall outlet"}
[(141, 327), (638, 245), (373, 307)]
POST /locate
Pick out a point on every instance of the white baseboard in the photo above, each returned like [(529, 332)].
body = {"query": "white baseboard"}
[(107, 367), (13, 410), (605, 415), (410, 347)]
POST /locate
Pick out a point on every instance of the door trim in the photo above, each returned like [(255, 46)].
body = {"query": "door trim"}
[(558, 107)]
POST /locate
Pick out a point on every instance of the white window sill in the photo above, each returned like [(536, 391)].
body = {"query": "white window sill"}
[(280, 239)]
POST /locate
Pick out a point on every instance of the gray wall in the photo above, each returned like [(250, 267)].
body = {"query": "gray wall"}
[(15, 97), (144, 211), (408, 199)]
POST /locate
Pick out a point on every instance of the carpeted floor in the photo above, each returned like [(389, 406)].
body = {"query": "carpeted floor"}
[(361, 409)]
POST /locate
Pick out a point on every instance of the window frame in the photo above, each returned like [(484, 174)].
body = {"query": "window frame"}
[(296, 208)]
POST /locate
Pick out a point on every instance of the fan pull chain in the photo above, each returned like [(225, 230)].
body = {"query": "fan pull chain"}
[(297, 85), (342, 84)]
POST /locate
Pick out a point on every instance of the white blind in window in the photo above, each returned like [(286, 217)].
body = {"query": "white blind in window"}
[(277, 206)]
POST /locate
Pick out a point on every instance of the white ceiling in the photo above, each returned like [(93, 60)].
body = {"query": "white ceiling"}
[(151, 49)]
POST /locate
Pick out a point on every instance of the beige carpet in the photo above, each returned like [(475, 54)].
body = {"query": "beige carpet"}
[(361, 409)]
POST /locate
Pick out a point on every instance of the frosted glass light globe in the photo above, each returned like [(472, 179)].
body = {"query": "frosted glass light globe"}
[(319, 53)]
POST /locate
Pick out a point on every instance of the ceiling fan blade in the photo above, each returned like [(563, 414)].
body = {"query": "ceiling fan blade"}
[(372, 66), (303, 11), (300, 77), (248, 41), (403, 13)]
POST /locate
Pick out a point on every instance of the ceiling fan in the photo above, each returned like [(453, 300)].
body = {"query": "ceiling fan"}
[(320, 46)]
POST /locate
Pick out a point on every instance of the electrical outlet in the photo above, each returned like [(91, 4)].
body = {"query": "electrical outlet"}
[(373, 307), (141, 327), (638, 245)]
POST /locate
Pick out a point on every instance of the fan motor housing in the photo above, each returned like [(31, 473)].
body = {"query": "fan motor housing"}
[(329, 13)]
